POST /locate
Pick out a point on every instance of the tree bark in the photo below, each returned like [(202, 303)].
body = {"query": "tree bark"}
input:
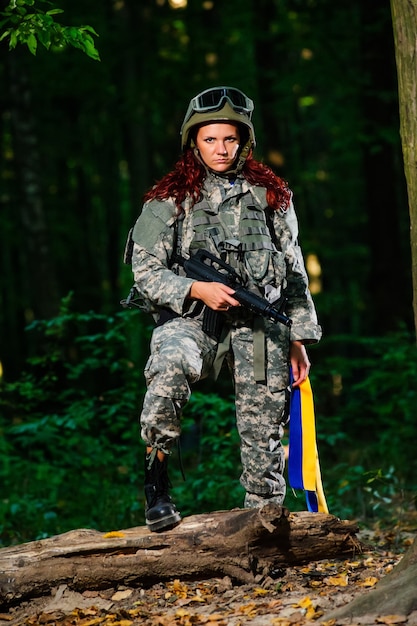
[(38, 282), (243, 544), (404, 16), (388, 289)]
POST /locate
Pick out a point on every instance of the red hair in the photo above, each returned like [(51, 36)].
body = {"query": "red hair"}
[(187, 177)]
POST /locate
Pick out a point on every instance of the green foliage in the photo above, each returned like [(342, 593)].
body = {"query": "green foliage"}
[(365, 403), (368, 494), (210, 447), (69, 432), (24, 22)]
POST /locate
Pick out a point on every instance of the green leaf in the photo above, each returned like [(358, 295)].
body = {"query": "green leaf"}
[(90, 29), (44, 36), (23, 27), (90, 49), (73, 33), (32, 43), (13, 39)]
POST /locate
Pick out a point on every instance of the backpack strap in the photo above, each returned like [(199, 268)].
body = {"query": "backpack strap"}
[(128, 251), (177, 240)]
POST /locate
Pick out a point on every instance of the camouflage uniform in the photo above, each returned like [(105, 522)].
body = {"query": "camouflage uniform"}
[(232, 220)]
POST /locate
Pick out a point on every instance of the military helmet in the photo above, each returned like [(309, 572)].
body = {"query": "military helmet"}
[(218, 104)]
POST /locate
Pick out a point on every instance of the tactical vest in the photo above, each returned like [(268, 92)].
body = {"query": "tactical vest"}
[(250, 246), (252, 249), (246, 240)]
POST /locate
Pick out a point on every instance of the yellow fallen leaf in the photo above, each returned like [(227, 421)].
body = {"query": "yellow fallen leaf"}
[(93, 622), (113, 533), (179, 588), (260, 592), (369, 582), (311, 613), (337, 581), (273, 604), (248, 609), (306, 604), (185, 601)]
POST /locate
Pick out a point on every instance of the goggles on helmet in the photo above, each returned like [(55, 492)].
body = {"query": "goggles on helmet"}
[(214, 99)]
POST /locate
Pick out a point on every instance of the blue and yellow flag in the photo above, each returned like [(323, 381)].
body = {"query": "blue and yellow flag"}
[(303, 460)]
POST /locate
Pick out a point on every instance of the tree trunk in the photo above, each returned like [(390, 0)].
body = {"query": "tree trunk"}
[(389, 289), (38, 283), (404, 16), (243, 544)]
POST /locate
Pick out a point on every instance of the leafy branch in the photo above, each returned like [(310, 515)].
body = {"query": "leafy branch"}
[(23, 22)]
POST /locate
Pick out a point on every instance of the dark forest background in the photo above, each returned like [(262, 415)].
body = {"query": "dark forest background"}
[(80, 143)]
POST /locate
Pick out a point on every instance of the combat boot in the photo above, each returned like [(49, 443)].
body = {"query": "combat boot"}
[(160, 513)]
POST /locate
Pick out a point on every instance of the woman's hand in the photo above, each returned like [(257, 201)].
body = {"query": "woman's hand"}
[(300, 363), (215, 295)]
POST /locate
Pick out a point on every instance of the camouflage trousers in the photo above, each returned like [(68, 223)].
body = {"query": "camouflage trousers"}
[(181, 354)]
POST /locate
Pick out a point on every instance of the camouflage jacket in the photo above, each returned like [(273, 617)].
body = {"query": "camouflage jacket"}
[(232, 219)]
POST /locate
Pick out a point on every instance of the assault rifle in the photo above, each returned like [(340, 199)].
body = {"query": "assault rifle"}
[(202, 266)]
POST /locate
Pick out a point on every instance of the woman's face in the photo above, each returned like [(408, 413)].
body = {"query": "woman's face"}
[(218, 145)]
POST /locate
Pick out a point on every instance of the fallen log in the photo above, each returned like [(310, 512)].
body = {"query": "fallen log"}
[(242, 544)]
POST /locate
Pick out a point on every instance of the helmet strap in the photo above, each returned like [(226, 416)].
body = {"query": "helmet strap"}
[(243, 155)]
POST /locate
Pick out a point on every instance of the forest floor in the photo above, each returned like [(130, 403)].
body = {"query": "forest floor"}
[(298, 596)]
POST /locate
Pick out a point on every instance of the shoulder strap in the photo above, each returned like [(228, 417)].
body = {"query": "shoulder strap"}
[(128, 251), (177, 239)]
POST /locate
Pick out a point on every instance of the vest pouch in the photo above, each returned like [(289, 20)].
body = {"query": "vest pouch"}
[(257, 264), (277, 348), (279, 267), (277, 378)]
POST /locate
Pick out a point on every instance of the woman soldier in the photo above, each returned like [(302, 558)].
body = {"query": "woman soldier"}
[(220, 199)]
